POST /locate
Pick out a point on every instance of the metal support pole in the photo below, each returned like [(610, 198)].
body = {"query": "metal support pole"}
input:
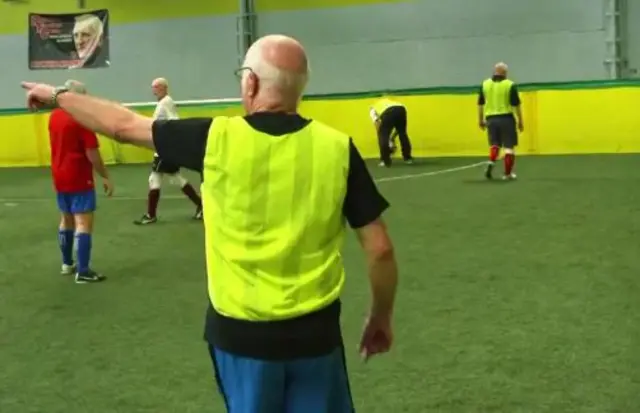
[(245, 27), (612, 27), (253, 30), (626, 71)]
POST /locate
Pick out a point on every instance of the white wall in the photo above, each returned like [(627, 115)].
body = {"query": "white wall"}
[(446, 43)]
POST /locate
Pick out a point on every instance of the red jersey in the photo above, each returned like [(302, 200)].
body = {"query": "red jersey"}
[(72, 171)]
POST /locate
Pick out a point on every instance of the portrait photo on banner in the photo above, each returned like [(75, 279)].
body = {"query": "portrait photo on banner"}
[(69, 41)]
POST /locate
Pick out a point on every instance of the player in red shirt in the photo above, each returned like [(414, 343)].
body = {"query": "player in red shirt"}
[(74, 155)]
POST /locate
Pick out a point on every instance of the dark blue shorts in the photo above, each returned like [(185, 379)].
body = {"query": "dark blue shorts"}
[(314, 385), (77, 202)]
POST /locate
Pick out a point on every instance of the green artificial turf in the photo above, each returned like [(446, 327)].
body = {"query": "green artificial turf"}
[(514, 297)]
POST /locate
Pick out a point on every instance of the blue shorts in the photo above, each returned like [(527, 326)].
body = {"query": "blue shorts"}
[(314, 385), (77, 202)]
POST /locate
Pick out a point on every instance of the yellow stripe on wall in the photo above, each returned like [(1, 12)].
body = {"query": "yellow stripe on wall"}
[(13, 16), (276, 5), (25, 140)]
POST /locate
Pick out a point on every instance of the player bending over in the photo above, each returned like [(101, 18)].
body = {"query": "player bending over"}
[(389, 116), (165, 109), (74, 154), (497, 101)]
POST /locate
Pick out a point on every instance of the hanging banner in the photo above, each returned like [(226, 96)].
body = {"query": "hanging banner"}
[(69, 41)]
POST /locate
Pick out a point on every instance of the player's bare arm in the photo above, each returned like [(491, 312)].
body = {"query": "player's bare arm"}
[(383, 269), (520, 118), (363, 208), (518, 109), (107, 118), (377, 336), (114, 120), (95, 158), (516, 103), (481, 122)]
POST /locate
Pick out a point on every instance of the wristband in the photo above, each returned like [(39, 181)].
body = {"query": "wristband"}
[(57, 92)]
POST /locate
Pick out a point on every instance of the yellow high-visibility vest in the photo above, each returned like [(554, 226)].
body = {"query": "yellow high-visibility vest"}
[(383, 104), (497, 97), (273, 219)]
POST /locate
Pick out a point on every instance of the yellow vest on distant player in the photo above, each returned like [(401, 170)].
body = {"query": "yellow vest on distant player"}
[(273, 219), (383, 104), (497, 97)]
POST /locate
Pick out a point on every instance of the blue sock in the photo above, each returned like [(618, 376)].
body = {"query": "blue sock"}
[(65, 240), (84, 251)]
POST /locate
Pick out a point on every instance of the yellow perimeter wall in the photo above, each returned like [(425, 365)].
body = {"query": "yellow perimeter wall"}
[(581, 121), (24, 139)]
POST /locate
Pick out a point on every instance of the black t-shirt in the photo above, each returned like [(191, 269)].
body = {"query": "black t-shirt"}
[(183, 143)]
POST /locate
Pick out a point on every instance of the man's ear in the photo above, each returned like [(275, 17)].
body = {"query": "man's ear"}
[(253, 85)]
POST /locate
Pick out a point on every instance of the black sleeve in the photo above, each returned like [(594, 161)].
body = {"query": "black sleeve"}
[(481, 96), (182, 142), (514, 96), (363, 204)]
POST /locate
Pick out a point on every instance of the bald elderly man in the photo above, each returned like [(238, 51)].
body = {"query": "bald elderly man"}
[(278, 191), (160, 168), (497, 100)]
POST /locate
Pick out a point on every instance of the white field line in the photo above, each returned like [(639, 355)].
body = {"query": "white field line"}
[(430, 173), (13, 201)]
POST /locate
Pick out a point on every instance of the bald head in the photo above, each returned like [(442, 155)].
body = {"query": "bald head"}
[(160, 87), (161, 81), (283, 52), (281, 65), (500, 69)]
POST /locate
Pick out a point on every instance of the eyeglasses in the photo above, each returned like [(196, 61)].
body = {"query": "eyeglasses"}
[(238, 72)]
